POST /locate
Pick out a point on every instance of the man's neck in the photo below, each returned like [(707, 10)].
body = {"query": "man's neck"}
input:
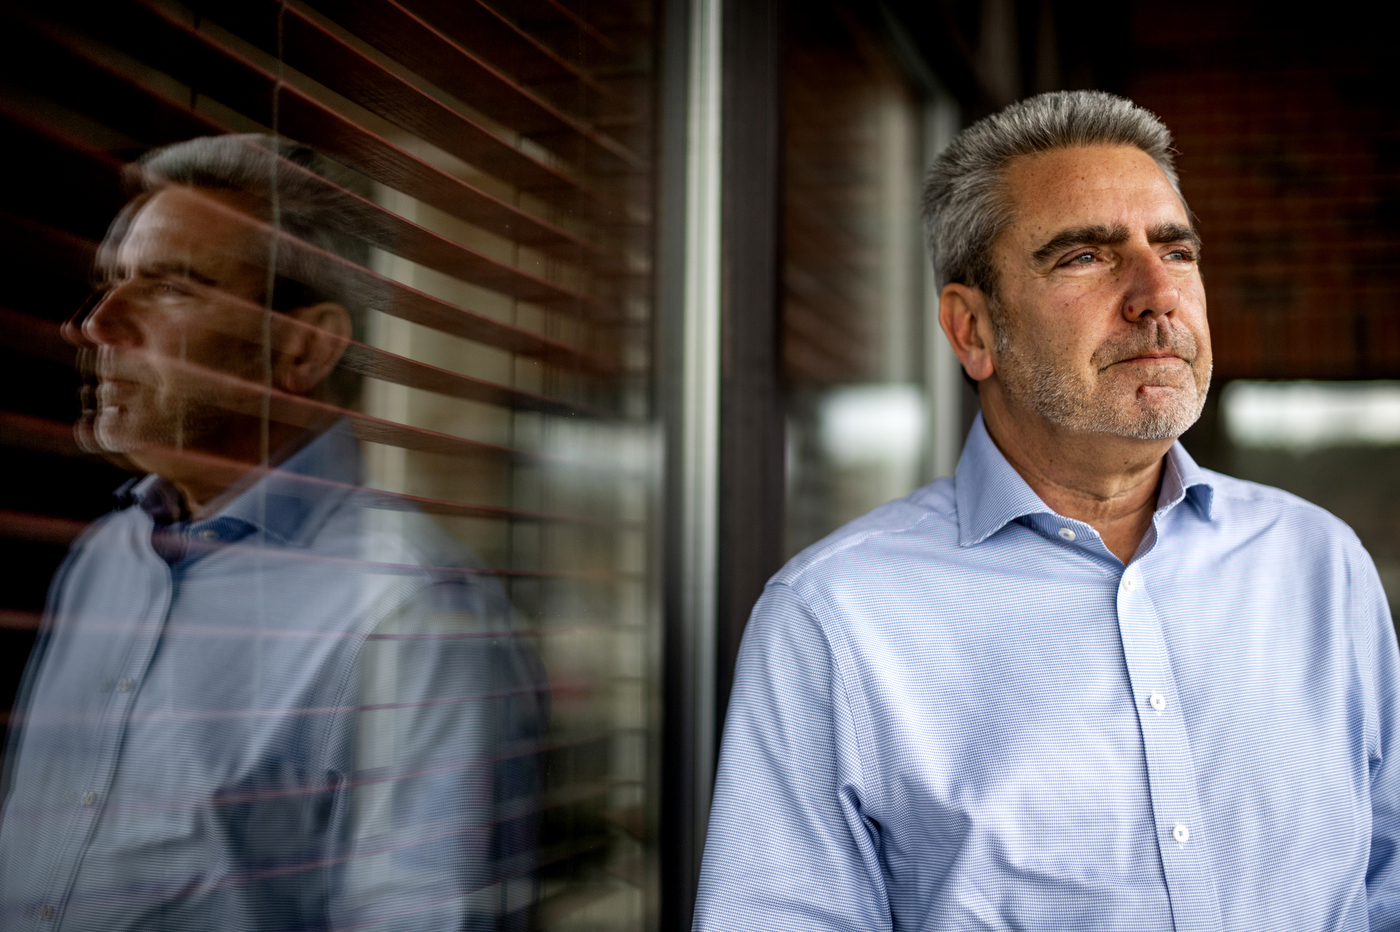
[(1110, 483)]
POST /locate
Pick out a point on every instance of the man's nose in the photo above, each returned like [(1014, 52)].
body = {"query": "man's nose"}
[(110, 322), (1152, 288)]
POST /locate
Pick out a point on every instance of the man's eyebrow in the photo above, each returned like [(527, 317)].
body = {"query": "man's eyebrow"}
[(1099, 235), (159, 269), (1174, 233), (1093, 235)]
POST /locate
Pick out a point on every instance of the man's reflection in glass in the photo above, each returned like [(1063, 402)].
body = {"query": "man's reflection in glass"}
[(259, 701)]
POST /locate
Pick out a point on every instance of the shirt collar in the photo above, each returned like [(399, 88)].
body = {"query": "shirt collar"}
[(1183, 479), (288, 503), (155, 496), (991, 493), (291, 502)]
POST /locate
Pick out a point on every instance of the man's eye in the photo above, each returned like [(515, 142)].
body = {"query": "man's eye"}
[(1083, 258), (1182, 255)]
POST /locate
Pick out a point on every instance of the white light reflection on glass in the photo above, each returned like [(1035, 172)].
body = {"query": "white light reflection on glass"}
[(1303, 416)]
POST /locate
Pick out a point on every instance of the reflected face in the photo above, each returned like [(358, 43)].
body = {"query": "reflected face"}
[(174, 323), (1102, 306)]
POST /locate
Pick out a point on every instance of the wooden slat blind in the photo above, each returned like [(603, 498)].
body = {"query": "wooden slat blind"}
[(503, 152)]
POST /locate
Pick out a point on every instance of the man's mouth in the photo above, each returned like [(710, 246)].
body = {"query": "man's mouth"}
[(1154, 358), (110, 390)]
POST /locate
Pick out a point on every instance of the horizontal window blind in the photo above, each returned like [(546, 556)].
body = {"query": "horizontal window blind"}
[(497, 166)]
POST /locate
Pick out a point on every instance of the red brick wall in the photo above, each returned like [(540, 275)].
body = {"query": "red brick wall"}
[(1290, 158)]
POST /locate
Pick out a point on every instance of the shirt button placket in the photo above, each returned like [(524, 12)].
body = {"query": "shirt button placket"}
[(91, 787), (1171, 780)]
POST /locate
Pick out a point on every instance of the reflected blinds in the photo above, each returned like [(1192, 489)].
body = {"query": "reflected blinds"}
[(504, 151)]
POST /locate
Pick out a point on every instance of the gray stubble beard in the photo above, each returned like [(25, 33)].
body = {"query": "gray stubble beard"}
[(1065, 400)]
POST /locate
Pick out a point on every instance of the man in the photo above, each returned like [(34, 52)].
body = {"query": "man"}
[(1084, 684), (260, 700)]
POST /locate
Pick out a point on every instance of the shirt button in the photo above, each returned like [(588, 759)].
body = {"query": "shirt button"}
[(1181, 833), (208, 533), (1066, 533), (46, 913), (89, 798), (124, 684), (1129, 583), (1158, 701)]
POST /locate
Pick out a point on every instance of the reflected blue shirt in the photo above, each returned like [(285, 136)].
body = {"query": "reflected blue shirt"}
[(961, 711), (307, 710)]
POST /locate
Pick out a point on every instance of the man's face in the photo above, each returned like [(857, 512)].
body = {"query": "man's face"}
[(1103, 313), (177, 320)]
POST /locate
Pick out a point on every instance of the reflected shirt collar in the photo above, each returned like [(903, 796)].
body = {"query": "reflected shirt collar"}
[(991, 493), (287, 504)]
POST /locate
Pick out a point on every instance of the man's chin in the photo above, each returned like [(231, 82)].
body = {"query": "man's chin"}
[(117, 433), (1160, 413)]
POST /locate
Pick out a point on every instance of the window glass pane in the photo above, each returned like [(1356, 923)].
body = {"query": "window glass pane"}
[(853, 274), (367, 638)]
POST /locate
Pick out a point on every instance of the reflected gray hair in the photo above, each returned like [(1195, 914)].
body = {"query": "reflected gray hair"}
[(293, 188), (965, 202)]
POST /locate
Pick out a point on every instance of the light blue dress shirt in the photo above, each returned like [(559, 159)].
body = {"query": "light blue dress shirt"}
[(305, 711), (961, 711)]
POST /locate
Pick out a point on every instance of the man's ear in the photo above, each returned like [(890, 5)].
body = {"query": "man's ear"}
[(312, 344), (962, 313)]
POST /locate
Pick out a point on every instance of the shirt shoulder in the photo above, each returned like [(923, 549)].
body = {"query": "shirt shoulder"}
[(425, 571), (400, 535), (1240, 502), (110, 538), (925, 520)]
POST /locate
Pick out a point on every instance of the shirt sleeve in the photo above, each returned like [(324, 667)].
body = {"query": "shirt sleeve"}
[(438, 818), (1383, 871), (788, 845)]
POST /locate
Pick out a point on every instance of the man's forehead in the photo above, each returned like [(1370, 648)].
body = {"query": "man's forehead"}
[(1110, 186), (185, 227)]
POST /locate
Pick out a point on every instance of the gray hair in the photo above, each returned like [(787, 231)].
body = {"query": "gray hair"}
[(965, 204), (300, 193)]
